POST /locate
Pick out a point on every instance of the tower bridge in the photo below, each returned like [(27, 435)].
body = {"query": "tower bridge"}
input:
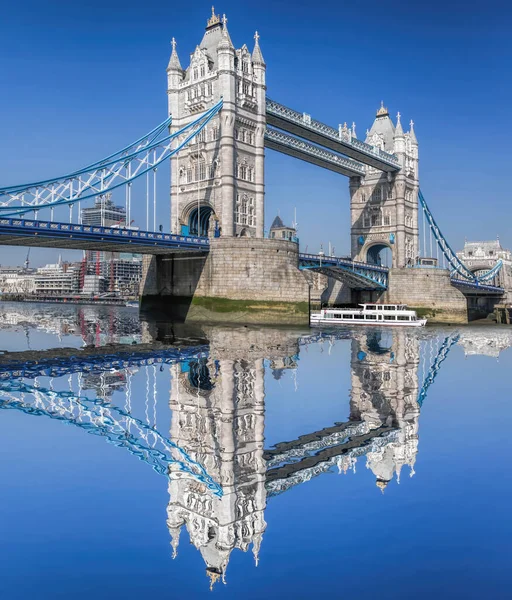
[(215, 261)]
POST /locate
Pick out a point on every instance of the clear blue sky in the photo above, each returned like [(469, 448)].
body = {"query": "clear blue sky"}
[(80, 80)]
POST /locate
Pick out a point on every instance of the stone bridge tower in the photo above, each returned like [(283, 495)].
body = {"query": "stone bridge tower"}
[(384, 206), (222, 170)]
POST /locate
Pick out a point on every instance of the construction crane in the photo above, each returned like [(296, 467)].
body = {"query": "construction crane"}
[(27, 262)]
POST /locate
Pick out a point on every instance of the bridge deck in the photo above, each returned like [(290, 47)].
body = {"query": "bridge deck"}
[(49, 234), (314, 131), (297, 148)]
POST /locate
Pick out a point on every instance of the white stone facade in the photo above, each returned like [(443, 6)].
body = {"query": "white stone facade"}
[(480, 257), (384, 206), (222, 169)]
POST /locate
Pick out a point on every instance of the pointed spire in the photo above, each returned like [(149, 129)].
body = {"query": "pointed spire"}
[(175, 540), (399, 132), (383, 111), (174, 61), (256, 545), (225, 42), (257, 56), (213, 20), (412, 135)]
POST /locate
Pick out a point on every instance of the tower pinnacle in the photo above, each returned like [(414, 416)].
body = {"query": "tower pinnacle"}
[(213, 20), (383, 111), (225, 42), (412, 135), (399, 132), (257, 56), (174, 61)]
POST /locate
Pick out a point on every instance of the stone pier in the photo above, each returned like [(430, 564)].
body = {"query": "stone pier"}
[(429, 292), (244, 280)]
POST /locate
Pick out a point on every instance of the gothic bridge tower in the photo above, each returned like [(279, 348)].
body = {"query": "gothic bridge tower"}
[(217, 180), (384, 206)]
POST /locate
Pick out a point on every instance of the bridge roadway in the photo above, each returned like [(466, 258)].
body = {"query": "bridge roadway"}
[(65, 361), (49, 234)]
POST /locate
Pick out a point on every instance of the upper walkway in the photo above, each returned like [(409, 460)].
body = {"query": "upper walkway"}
[(304, 126)]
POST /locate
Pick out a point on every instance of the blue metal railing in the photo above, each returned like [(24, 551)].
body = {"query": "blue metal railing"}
[(304, 121), (94, 233)]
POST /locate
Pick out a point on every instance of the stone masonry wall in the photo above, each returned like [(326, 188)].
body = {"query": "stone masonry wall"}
[(243, 280), (253, 269), (430, 292)]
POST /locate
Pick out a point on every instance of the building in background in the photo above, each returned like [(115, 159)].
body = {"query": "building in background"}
[(481, 257), (104, 213), (280, 231), (60, 279)]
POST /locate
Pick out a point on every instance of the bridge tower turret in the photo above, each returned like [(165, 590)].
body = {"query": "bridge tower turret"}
[(218, 177), (384, 206)]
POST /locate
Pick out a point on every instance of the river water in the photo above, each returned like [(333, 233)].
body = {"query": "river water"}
[(252, 462)]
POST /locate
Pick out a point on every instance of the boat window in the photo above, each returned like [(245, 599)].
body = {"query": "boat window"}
[(370, 307), (389, 318), (337, 315), (380, 307), (403, 317), (389, 307), (370, 317), (348, 316)]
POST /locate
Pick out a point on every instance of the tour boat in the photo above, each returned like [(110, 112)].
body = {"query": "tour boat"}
[(368, 314), (132, 304)]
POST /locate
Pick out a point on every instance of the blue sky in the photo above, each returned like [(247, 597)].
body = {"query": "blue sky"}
[(82, 80)]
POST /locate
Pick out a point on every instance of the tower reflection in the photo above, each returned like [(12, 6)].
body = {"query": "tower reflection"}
[(218, 411), (385, 388)]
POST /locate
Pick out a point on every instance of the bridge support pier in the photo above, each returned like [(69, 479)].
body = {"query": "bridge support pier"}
[(242, 280), (429, 292)]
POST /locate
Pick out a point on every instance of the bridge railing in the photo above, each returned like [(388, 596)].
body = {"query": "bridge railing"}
[(306, 121), (342, 260), (116, 234), (320, 153)]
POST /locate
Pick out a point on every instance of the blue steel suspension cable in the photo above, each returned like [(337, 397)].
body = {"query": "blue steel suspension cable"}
[(124, 439), (199, 123), (452, 258)]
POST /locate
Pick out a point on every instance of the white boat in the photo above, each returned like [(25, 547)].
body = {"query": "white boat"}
[(132, 304), (369, 314)]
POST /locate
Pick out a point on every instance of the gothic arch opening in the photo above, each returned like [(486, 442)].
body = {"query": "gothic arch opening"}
[(380, 254), (199, 220)]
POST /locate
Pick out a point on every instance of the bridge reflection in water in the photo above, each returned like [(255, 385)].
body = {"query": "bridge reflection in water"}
[(220, 474)]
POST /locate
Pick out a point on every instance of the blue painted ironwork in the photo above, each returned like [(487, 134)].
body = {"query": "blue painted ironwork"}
[(477, 287), (293, 146), (29, 228), (302, 124), (358, 275), (491, 274), (98, 418), (57, 366), (119, 169), (442, 353), (459, 269)]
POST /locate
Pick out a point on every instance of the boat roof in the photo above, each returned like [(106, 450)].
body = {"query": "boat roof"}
[(382, 304)]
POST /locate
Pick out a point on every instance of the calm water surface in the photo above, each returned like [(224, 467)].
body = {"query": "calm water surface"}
[(260, 463)]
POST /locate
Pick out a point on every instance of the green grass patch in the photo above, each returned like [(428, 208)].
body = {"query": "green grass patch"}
[(226, 305)]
